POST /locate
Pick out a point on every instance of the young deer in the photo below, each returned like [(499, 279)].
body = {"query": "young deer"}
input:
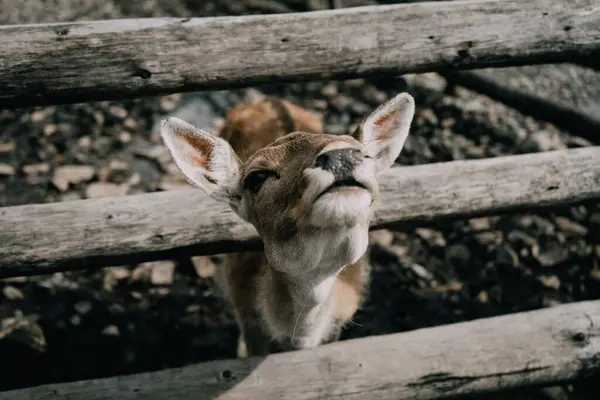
[(310, 197)]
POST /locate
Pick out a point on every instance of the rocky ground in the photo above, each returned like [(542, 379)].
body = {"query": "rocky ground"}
[(125, 319)]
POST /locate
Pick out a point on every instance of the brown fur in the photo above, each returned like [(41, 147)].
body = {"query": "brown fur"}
[(250, 127)]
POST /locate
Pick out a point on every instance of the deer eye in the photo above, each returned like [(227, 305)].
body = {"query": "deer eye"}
[(255, 180)]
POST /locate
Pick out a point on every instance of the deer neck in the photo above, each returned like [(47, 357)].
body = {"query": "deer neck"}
[(310, 289), (298, 297), (298, 308)]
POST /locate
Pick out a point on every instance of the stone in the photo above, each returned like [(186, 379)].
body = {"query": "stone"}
[(111, 330), (113, 275), (103, 189), (125, 137), (7, 147), (401, 252), (85, 142), (483, 297), (141, 273), (6, 170), (50, 129), (169, 102), (204, 266), (130, 124), (71, 174), (551, 282), (570, 227), (381, 237), (119, 273), (427, 115), (330, 90), (99, 117), (115, 171), (118, 111), (15, 279), (12, 293), (37, 116), (431, 236), (341, 102), (320, 104), (36, 169), (83, 307), (421, 271), (544, 141), (480, 224), (360, 108), (161, 272), (133, 180), (552, 256), (158, 153)]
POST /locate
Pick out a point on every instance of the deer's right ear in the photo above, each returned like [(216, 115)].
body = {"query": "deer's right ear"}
[(206, 160), (384, 132)]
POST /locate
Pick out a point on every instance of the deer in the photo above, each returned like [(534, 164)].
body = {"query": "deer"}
[(309, 195)]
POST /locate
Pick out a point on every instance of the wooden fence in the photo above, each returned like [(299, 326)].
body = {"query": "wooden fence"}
[(40, 238), (60, 63), (550, 346), (72, 62)]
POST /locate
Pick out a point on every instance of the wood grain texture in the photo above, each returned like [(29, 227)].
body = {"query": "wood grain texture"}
[(553, 345), (41, 238), (84, 61), (567, 95)]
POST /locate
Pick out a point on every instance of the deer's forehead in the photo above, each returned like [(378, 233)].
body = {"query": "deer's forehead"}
[(295, 146)]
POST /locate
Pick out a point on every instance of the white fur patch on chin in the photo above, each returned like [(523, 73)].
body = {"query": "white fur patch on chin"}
[(341, 209), (324, 250)]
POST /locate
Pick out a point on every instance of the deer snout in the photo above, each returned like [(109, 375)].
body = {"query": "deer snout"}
[(340, 162)]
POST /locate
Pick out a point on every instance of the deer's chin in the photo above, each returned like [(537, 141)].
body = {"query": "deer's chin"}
[(342, 207)]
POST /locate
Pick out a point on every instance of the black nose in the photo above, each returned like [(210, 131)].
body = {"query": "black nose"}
[(339, 162)]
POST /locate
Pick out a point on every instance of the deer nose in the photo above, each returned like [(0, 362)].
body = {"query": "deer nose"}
[(340, 162)]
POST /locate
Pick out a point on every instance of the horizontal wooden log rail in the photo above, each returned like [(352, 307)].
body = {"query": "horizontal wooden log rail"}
[(577, 111), (41, 238), (107, 60), (549, 346)]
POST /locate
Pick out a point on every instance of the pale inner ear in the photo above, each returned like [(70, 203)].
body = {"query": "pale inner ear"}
[(193, 156), (206, 160), (383, 126), (384, 132)]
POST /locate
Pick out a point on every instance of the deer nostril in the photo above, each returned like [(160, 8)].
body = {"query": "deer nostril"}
[(322, 161), (339, 161)]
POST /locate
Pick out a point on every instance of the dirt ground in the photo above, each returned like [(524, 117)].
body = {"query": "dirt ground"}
[(128, 319)]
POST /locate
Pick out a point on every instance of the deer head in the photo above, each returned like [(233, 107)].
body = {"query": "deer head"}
[(309, 196)]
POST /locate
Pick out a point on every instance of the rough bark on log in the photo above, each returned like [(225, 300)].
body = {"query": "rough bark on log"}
[(42, 238), (85, 61), (542, 347), (567, 95)]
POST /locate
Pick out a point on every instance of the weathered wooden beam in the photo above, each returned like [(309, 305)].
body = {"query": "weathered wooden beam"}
[(548, 346), (84, 61), (567, 95), (41, 238)]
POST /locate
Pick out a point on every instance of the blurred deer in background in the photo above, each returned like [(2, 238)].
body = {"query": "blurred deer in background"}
[(310, 196)]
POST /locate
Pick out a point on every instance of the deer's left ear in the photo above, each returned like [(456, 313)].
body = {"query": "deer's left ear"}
[(206, 160), (384, 132)]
